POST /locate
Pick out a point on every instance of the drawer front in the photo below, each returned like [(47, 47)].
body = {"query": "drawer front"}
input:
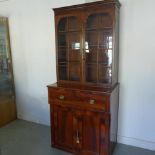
[(59, 94), (87, 99)]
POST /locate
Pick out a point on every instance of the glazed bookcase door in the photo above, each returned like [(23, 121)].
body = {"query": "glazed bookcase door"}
[(98, 48), (69, 49)]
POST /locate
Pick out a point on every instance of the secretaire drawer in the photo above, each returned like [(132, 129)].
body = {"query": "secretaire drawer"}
[(60, 94), (77, 97)]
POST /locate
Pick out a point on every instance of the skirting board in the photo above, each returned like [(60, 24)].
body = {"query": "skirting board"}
[(121, 139), (136, 142)]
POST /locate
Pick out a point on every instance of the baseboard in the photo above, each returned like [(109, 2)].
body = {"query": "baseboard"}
[(136, 142), (121, 139)]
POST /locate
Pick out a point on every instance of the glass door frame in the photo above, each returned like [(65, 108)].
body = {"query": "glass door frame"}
[(5, 23)]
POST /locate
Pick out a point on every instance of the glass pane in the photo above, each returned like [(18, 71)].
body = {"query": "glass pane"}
[(73, 24), (62, 39), (74, 40), (104, 74), (74, 71), (74, 55), (92, 38), (74, 46), (91, 73), (105, 20), (98, 48), (109, 57), (69, 54), (62, 72), (91, 54), (62, 54), (92, 22), (102, 56), (105, 38), (62, 26), (6, 82), (105, 56)]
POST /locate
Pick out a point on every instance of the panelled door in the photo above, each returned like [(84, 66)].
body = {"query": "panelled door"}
[(63, 126), (80, 131), (95, 133)]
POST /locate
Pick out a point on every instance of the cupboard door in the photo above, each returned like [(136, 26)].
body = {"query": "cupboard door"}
[(81, 132), (95, 134), (77, 128), (98, 48), (69, 31), (63, 126)]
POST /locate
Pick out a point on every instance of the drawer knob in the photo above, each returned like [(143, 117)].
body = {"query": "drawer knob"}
[(92, 102), (61, 97)]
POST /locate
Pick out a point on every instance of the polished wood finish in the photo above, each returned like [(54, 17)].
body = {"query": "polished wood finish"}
[(87, 44), (84, 101), (83, 121)]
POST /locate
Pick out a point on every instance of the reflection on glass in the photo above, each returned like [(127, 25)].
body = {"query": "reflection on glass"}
[(109, 57), (75, 46), (62, 40), (110, 41), (62, 24), (74, 40), (108, 75), (86, 47), (107, 42), (6, 86), (98, 48)]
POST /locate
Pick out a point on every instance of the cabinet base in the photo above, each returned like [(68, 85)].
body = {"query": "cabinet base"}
[(112, 148)]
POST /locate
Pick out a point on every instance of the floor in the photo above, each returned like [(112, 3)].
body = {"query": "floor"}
[(26, 138)]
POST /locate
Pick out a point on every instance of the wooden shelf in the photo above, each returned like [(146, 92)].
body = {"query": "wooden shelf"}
[(98, 29), (69, 31)]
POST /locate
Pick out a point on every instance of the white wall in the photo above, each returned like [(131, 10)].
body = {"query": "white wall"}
[(137, 73), (33, 49)]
